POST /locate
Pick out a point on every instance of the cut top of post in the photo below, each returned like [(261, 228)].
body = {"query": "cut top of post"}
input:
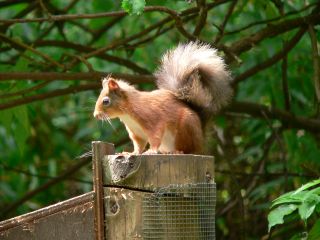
[(150, 172)]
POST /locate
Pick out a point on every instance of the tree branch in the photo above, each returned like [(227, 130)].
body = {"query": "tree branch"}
[(268, 21), (316, 64), (98, 33), (262, 111), (252, 109), (25, 91), (247, 43), (19, 45), (86, 76), (103, 14), (285, 83), (269, 62), (61, 92), (22, 13), (27, 173), (64, 17), (224, 23), (203, 12), (51, 94), (86, 49)]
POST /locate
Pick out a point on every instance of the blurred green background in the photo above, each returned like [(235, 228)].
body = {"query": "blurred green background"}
[(258, 155)]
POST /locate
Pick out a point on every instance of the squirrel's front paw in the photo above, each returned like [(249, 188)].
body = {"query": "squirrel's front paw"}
[(151, 152), (176, 152), (122, 153), (128, 153)]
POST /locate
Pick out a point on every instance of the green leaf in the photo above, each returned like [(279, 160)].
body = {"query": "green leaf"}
[(297, 196), (308, 205), (133, 6), (276, 216), (308, 185), (314, 233), (289, 197), (306, 209)]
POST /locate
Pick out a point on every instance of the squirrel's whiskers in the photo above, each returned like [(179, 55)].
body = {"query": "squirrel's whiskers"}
[(105, 118)]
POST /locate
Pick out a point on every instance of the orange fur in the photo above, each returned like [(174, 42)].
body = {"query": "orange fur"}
[(193, 83), (158, 117)]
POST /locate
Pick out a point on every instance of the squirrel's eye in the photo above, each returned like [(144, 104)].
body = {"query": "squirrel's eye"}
[(106, 101)]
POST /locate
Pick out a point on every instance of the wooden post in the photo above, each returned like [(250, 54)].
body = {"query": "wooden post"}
[(135, 197), (99, 150), (133, 182)]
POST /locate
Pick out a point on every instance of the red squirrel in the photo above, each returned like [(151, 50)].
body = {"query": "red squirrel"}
[(193, 84)]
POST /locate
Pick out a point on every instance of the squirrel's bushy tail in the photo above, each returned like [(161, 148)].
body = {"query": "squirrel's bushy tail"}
[(197, 75)]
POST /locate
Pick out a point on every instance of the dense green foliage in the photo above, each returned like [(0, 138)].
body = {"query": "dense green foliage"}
[(305, 201), (133, 6), (265, 144)]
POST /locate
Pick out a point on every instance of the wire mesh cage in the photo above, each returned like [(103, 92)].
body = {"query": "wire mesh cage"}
[(180, 212)]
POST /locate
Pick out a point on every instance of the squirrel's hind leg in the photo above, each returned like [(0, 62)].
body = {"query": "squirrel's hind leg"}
[(189, 137), (154, 139)]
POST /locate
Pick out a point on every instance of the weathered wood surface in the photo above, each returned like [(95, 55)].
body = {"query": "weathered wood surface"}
[(150, 172), (123, 213), (67, 220), (129, 180), (99, 150)]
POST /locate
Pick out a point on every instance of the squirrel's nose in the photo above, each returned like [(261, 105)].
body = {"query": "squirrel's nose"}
[(96, 114)]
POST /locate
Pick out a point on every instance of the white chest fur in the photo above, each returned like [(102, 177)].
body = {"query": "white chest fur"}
[(168, 139), (133, 125)]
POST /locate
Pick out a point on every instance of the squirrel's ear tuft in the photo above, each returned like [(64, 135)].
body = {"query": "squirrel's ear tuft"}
[(105, 82), (112, 84)]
